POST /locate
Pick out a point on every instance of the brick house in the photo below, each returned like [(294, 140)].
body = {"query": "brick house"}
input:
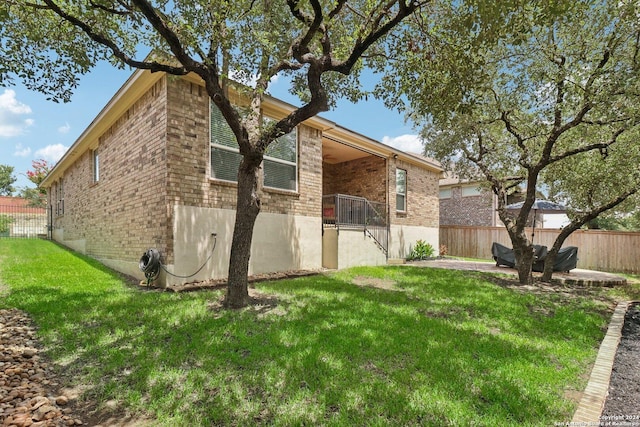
[(465, 202), (156, 168)]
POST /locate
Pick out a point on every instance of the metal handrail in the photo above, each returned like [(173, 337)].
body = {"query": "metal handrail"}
[(341, 210)]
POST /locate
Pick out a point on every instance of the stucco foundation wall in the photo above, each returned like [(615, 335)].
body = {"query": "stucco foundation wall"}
[(330, 248), (403, 237), (346, 248), (280, 243)]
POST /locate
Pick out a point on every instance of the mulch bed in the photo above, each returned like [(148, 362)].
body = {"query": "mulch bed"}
[(623, 403)]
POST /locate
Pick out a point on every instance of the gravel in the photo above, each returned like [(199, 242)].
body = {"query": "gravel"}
[(27, 389)]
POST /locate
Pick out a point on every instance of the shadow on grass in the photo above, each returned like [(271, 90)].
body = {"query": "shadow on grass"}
[(447, 349)]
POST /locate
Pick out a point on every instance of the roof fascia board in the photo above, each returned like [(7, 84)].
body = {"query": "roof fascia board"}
[(142, 80), (135, 86)]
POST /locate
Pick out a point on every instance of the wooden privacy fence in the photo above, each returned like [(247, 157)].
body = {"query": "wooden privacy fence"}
[(599, 250)]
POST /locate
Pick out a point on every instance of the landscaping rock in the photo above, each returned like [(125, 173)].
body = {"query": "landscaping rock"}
[(26, 395)]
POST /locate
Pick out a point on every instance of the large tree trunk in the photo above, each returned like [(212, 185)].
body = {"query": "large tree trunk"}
[(524, 261), (523, 251), (550, 259), (247, 210)]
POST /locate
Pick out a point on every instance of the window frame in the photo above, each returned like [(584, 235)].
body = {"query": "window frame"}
[(448, 191), (474, 190), (235, 150), (59, 199), (296, 138), (221, 147), (95, 166), (403, 194)]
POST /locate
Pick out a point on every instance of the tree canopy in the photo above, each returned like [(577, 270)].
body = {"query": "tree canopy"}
[(39, 172), (6, 180), (549, 98), (319, 45)]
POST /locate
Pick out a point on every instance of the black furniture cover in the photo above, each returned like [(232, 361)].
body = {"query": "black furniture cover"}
[(566, 259)]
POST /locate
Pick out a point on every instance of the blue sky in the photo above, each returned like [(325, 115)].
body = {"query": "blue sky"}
[(33, 128)]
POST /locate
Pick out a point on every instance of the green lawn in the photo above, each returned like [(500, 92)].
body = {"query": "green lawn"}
[(366, 346)]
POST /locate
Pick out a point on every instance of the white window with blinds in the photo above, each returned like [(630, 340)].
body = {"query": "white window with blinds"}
[(280, 161), (401, 190), (225, 155), (280, 165)]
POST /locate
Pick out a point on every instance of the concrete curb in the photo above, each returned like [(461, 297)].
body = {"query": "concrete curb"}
[(595, 394)]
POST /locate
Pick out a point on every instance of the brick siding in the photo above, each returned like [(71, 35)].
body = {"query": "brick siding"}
[(363, 177), (422, 196), (188, 154), (125, 212), (468, 210)]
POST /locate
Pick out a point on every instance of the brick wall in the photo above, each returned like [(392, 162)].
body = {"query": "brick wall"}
[(422, 196), (468, 210), (125, 212), (188, 157), (365, 177), (308, 200)]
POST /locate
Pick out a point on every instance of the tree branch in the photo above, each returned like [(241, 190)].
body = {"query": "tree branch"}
[(405, 9), (557, 121), (599, 146), (152, 66), (126, 12), (300, 48), (169, 36), (587, 105)]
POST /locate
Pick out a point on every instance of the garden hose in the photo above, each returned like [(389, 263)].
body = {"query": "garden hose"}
[(150, 264)]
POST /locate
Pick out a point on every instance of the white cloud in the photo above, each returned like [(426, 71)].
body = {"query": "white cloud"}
[(407, 143), (22, 152), (11, 111), (52, 152), (64, 129)]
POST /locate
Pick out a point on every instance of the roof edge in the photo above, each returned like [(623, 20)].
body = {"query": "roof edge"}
[(141, 80), (127, 95)]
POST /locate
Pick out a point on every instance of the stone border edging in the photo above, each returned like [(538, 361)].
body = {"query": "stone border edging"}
[(595, 394)]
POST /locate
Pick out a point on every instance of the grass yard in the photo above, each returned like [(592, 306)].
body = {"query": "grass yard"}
[(365, 346)]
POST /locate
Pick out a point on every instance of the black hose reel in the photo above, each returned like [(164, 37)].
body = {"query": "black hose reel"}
[(150, 265)]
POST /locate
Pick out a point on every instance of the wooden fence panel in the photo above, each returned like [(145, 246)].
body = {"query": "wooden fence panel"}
[(597, 250)]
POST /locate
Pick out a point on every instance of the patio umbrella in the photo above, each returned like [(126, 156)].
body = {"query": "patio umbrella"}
[(539, 206)]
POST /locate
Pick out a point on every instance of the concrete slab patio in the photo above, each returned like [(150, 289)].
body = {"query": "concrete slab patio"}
[(575, 277)]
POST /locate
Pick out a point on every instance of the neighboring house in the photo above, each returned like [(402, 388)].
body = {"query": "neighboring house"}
[(468, 202), (465, 202), (157, 168), (18, 219)]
